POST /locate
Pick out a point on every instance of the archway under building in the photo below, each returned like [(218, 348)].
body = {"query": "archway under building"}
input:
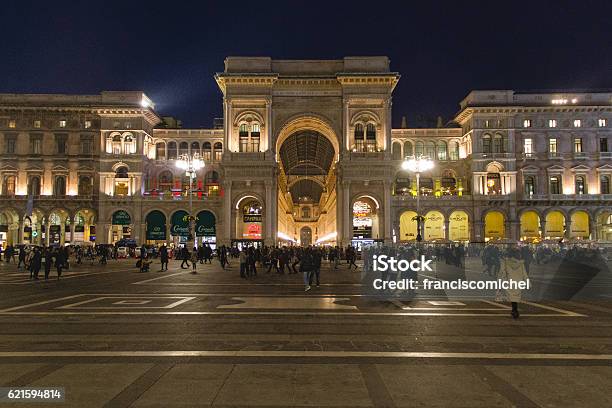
[(306, 236), (365, 221), (554, 228), (249, 222), (603, 226), (307, 150), (494, 226), (579, 225), (121, 226), (408, 226), (434, 228), (459, 226), (529, 226), (206, 228), (9, 228)]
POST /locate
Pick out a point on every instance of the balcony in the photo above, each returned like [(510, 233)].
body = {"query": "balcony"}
[(178, 195), (605, 155), (489, 156), (581, 156), (555, 156)]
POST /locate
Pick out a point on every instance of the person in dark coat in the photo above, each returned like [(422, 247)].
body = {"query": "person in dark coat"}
[(35, 264), (185, 257), (59, 262), (163, 255), (47, 262), (306, 267)]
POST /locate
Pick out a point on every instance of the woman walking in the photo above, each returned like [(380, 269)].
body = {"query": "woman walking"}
[(513, 269)]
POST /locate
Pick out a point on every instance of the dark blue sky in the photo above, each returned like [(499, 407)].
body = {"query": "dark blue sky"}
[(172, 49)]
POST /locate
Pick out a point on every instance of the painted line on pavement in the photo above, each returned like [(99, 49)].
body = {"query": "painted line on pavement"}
[(309, 354), (10, 309)]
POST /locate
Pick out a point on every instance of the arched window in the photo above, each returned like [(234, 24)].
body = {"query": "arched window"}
[(358, 132), (580, 185), (402, 183), (219, 150), (212, 177), (121, 172), (396, 151), (441, 150), (604, 185), (84, 188), (486, 144), (183, 148), (172, 152), (408, 149), (497, 144), (8, 185), (426, 186), (256, 130), (116, 144), (160, 151), (530, 186), (165, 181), (34, 186), (419, 149), (207, 151), (59, 186), (454, 150), (195, 148), (129, 144), (430, 150), (243, 131), (212, 183)]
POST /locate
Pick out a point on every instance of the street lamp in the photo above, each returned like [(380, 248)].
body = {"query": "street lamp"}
[(191, 164), (417, 165)]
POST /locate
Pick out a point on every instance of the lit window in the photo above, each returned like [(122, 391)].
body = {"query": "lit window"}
[(578, 145), (577, 123), (37, 124), (486, 123), (128, 125), (87, 124), (552, 146), (62, 123), (528, 146), (552, 123), (12, 123), (527, 123), (602, 122)]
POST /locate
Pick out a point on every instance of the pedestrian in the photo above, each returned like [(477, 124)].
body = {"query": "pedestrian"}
[(316, 268), (35, 264), (59, 262), (243, 263), (512, 269), (163, 255), (185, 257), (22, 257), (306, 266), (194, 260), (47, 262)]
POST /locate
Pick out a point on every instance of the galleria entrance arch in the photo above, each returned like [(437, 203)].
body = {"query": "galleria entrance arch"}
[(307, 150)]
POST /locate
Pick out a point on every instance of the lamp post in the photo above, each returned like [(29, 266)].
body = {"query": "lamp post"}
[(417, 165), (191, 164)]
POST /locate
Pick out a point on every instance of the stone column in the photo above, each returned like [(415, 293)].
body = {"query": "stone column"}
[(20, 232), (228, 208), (387, 213), (478, 231), (346, 213), (72, 232), (269, 214), (446, 228), (568, 227), (542, 228)]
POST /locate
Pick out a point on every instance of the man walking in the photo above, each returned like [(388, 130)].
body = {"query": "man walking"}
[(163, 255)]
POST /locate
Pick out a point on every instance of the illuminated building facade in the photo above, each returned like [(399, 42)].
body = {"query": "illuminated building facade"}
[(306, 153)]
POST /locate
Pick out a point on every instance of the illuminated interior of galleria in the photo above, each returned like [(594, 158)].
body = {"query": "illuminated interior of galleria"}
[(305, 154)]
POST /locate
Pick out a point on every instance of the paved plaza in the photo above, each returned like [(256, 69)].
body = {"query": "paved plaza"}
[(114, 337)]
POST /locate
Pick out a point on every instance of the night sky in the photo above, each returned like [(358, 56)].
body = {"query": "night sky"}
[(171, 50)]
